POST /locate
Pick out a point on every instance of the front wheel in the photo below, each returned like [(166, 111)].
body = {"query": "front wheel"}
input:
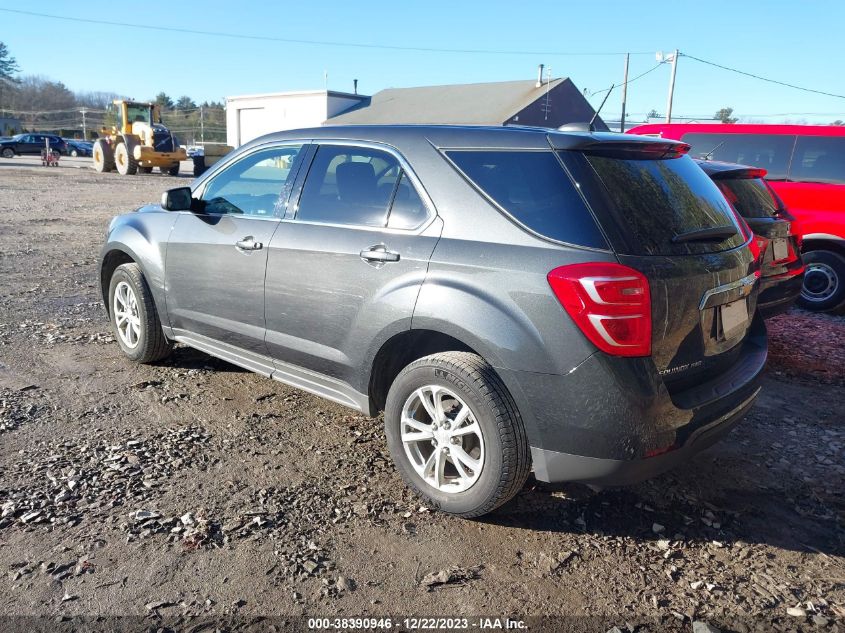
[(134, 317), (824, 281), (8, 152), (103, 156), (455, 434)]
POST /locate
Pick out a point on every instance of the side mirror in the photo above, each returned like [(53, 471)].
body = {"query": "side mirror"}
[(178, 199)]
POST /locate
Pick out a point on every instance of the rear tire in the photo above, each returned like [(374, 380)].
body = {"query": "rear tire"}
[(124, 160), (102, 156), (824, 281), (134, 317), (172, 170), (499, 444)]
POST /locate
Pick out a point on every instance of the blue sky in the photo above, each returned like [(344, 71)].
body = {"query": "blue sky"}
[(800, 43)]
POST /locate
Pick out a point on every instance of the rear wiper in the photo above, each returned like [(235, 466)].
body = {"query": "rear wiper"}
[(710, 234)]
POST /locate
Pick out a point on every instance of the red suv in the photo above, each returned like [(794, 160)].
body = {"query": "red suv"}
[(806, 168)]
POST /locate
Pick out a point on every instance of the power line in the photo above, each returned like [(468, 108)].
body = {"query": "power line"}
[(630, 81), (268, 38), (772, 81)]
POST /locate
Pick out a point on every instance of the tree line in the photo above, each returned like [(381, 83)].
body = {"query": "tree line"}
[(37, 103)]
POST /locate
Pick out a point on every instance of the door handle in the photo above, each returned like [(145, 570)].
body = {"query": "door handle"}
[(379, 253), (248, 243)]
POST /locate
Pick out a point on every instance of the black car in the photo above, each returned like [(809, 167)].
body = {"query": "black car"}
[(23, 144), (782, 270), (78, 148)]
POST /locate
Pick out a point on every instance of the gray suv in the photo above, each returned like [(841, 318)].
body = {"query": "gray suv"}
[(582, 304)]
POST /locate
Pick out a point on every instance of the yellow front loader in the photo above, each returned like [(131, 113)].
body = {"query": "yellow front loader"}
[(138, 142)]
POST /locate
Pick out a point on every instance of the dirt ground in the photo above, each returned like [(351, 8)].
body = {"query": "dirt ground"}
[(193, 494)]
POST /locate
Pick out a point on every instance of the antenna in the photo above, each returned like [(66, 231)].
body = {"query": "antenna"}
[(546, 106), (595, 116)]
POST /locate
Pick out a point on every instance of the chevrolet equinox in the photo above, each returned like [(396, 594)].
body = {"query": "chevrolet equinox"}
[(580, 304)]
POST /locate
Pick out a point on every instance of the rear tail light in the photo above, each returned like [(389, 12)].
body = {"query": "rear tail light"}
[(610, 303)]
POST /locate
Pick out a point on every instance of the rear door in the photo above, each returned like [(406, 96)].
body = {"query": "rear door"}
[(217, 256), (667, 219), (344, 271)]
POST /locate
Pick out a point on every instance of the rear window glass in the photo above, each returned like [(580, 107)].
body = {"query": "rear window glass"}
[(769, 151), (653, 201), (535, 190), (749, 196), (819, 159)]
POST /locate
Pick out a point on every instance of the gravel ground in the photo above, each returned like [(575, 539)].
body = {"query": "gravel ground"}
[(193, 494)]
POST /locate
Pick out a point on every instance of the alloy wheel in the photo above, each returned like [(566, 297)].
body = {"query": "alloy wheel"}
[(442, 439), (126, 318)]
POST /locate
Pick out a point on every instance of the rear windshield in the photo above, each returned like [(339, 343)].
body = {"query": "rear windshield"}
[(533, 188), (749, 196), (649, 202)]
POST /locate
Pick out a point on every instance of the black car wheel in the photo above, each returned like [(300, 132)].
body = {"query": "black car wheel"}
[(8, 152), (824, 281), (456, 435)]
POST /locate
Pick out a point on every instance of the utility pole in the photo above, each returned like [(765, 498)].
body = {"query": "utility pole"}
[(624, 93), (672, 86), (84, 127), (202, 127)]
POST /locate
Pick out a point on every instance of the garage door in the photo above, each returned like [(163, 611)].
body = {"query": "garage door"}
[(251, 124)]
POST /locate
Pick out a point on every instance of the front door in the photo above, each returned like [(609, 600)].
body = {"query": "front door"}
[(346, 271), (216, 257)]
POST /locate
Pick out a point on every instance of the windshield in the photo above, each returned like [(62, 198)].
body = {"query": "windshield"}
[(138, 113), (649, 203)]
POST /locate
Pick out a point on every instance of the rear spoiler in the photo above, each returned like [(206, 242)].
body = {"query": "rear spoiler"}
[(740, 173), (717, 170), (619, 146)]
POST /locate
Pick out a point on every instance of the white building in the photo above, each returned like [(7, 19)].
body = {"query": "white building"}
[(250, 116)]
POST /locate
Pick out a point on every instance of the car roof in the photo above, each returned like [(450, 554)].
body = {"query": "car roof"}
[(460, 136)]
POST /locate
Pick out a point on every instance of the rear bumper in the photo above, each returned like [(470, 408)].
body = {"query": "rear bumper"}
[(612, 421), (777, 294), (554, 466)]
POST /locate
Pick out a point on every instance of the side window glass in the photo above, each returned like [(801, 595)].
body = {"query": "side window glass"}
[(407, 210), (819, 159), (349, 185), (769, 151), (251, 186)]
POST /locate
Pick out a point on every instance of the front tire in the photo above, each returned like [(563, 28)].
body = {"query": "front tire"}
[(8, 152), (102, 156), (824, 281), (134, 317), (456, 435)]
